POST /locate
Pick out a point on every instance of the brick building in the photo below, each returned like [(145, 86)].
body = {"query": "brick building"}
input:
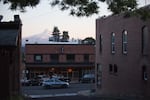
[(69, 60), (10, 60), (123, 56)]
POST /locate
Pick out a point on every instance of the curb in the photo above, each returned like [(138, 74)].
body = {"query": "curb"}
[(50, 95)]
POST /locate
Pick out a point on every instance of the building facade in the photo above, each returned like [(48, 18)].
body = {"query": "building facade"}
[(69, 60), (10, 58), (123, 56)]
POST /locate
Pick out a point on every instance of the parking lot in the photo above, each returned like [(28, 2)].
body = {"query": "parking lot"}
[(73, 89)]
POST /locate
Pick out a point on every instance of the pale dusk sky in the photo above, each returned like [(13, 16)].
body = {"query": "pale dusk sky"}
[(44, 17)]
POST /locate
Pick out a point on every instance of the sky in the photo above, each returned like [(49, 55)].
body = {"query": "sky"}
[(43, 18)]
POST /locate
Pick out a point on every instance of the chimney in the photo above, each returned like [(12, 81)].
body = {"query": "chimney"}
[(1, 17), (16, 18)]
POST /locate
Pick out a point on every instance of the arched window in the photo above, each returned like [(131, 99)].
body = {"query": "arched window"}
[(145, 40), (112, 42), (124, 41)]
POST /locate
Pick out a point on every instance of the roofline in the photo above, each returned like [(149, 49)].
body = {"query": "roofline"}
[(60, 44)]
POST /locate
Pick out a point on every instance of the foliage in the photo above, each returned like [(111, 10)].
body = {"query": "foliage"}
[(56, 34), (81, 8), (21, 4), (118, 6), (16, 97), (65, 36), (88, 40), (77, 7)]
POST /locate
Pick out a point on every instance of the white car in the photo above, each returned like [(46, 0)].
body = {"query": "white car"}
[(54, 83)]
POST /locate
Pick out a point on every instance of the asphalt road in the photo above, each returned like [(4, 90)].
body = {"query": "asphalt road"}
[(71, 98), (39, 91)]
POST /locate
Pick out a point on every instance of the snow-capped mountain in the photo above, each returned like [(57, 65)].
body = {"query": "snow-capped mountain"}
[(40, 38), (43, 38)]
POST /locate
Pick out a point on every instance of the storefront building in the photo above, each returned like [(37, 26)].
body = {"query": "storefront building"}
[(69, 60)]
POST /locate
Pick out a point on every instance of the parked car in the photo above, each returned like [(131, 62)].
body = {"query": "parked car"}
[(54, 83), (34, 82), (25, 82), (42, 78), (88, 78), (65, 79), (62, 78)]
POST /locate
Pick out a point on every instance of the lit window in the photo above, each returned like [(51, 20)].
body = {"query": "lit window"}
[(124, 42), (38, 58), (112, 43)]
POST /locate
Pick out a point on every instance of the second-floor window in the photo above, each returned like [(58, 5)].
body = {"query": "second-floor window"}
[(124, 41), (145, 40), (112, 42), (38, 58), (100, 43), (70, 57), (86, 58), (54, 57)]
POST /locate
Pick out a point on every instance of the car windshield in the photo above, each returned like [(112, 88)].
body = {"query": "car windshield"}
[(49, 81), (88, 75)]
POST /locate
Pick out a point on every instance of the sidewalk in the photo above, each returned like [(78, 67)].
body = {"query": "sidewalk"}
[(101, 97), (87, 93)]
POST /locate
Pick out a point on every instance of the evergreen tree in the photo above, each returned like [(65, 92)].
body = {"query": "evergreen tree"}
[(56, 34), (65, 36)]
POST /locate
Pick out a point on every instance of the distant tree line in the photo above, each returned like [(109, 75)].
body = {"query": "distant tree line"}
[(57, 37)]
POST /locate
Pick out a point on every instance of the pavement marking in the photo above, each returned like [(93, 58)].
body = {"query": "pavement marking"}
[(52, 95)]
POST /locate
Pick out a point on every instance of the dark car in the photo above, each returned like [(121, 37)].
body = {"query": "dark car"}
[(34, 82), (88, 78), (25, 82)]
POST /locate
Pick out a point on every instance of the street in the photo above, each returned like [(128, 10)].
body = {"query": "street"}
[(70, 98), (40, 92)]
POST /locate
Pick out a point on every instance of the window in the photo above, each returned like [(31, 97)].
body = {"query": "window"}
[(145, 40), (70, 57), (113, 69), (100, 43), (99, 75), (86, 58), (112, 43), (37, 58), (110, 68), (124, 42), (54, 57), (144, 73)]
